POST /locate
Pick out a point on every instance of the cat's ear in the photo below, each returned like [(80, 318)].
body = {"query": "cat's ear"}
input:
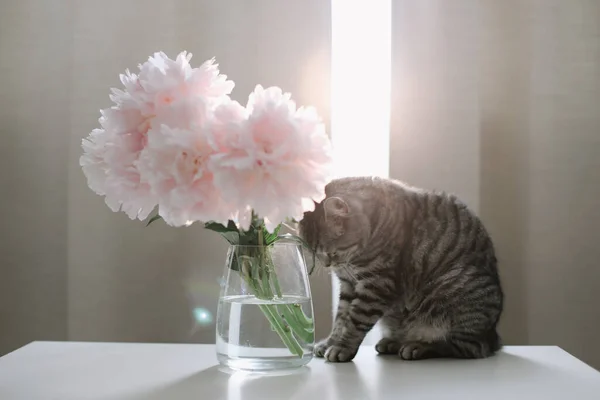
[(336, 211), (335, 207)]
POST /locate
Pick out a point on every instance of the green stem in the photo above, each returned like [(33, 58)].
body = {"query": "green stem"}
[(266, 285), (304, 332), (303, 320), (283, 331), (275, 280), (262, 257), (302, 326), (288, 321), (277, 323)]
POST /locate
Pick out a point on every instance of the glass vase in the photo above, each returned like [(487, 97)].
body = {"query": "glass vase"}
[(265, 312)]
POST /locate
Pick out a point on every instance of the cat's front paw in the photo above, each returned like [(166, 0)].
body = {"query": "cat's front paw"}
[(320, 348), (337, 353)]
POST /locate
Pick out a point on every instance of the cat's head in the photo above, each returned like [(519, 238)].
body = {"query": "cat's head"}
[(336, 227)]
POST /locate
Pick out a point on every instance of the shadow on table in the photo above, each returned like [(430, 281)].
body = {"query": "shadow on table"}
[(216, 383), (501, 373)]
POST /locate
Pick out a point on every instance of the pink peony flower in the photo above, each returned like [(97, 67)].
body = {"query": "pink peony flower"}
[(227, 133), (93, 161), (162, 80), (175, 165), (175, 139), (166, 92), (109, 160), (278, 159)]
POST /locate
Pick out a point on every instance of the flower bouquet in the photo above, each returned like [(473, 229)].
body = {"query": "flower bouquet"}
[(175, 142)]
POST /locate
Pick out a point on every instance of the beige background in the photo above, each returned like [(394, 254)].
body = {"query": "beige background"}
[(497, 101)]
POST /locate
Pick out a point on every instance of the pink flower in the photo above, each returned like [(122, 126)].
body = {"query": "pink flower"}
[(175, 165), (161, 81), (166, 92), (175, 139), (226, 138), (93, 159), (278, 159), (109, 160)]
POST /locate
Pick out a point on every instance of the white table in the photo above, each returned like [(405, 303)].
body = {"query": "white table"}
[(81, 371)]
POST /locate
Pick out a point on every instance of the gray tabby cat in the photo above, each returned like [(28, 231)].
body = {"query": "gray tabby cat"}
[(419, 261)]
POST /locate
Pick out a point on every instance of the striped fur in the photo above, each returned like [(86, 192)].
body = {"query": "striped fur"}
[(420, 262)]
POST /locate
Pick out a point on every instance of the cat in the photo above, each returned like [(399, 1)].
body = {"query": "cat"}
[(419, 262)]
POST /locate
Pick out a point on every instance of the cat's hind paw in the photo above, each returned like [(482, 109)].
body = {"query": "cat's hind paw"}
[(416, 351), (388, 346)]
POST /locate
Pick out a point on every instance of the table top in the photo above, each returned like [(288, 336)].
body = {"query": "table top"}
[(111, 371)]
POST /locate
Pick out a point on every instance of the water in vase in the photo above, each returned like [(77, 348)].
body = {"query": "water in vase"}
[(248, 340)]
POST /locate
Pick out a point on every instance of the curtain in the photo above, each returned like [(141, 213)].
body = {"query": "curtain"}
[(497, 101)]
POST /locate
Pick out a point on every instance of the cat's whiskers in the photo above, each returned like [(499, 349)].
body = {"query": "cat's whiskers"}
[(348, 271)]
